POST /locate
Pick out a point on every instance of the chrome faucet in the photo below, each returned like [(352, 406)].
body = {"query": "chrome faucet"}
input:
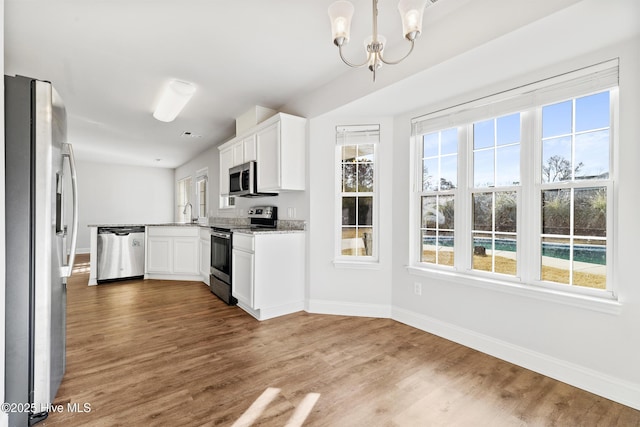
[(184, 212)]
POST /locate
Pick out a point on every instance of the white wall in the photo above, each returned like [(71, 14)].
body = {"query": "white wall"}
[(346, 289), (594, 350), (117, 194), (590, 349)]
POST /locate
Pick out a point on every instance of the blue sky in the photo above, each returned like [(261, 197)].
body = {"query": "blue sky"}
[(496, 143)]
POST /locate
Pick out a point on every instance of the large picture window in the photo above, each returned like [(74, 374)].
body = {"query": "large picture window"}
[(357, 201), (530, 182)]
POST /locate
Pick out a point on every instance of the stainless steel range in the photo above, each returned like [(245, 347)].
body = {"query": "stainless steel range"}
[(221, 270)]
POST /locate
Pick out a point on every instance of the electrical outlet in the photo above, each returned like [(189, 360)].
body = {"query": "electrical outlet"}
[(417, 288), (291, 212)]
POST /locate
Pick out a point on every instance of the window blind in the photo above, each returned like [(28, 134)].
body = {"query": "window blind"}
[(585, 80), (357, 134), (202, 174)]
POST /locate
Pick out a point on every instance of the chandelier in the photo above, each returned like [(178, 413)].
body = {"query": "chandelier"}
[(341, 12)]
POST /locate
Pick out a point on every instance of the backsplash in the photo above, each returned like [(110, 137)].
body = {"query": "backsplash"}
[(291, 224), (224, 220)]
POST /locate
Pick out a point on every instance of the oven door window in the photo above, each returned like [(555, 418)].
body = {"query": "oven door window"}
[(220, 255)]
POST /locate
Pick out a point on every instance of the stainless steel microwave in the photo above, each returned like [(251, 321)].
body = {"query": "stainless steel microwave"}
[(243, 181)]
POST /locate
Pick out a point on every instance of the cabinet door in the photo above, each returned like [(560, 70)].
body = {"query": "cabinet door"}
[(238, 153), (205, 257), (159, 254), (226, 162), (185, 255), (249, 148), (242, 279), (268, 158)]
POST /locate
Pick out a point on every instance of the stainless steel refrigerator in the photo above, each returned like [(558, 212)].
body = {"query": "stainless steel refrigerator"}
[(37, 179)]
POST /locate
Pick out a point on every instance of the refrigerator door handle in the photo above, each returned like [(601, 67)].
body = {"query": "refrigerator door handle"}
[(67, 152)]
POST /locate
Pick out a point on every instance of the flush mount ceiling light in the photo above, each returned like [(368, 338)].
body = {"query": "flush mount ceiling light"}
[(175, 96), (341, 12)]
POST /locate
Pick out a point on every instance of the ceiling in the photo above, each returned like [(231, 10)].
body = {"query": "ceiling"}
[(109, 59)]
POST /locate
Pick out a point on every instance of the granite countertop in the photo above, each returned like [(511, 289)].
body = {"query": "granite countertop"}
[(284, 226), (166, 224), (178, 224), (267, 231)]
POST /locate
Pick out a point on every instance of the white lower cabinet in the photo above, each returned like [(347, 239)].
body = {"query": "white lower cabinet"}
[(173, 253), (159, 254), (268, 273), (205, 254), (243, 282), (185, 255)]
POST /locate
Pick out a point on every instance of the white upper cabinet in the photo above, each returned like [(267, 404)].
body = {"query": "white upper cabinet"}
[(226, 162), (238, 154), (280, 154), (278, 147), (268, 159), (249, 148)]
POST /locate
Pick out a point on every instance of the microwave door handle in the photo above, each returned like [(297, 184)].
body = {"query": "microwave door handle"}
[(241, 189)]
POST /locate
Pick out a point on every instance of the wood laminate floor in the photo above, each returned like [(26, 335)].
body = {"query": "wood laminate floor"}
[(169, 353)]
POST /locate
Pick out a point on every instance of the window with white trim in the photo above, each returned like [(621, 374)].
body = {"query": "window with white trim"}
[(576, 147), (494, 194), (202, 192), (356, 177), (529, 175), (184, 198), (439, 184)]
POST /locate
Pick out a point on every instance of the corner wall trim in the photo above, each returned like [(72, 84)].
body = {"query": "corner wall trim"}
[(616, 389)]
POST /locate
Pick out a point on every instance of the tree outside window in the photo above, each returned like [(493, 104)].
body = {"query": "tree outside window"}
[(357, 188)]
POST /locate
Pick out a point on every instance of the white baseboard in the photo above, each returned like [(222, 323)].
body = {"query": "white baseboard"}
[(281, 310), (348, 308), (180, 277), (271, 312), (83, 251), (616, 389)]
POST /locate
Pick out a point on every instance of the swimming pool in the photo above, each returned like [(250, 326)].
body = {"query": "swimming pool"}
[(593, 254)]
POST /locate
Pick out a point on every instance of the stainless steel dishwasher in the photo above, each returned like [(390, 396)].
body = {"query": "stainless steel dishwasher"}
[(120, 253)]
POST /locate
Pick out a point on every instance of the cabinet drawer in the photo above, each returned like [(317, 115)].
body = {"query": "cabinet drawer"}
[(243, 242), (205, 233), (181, 231)]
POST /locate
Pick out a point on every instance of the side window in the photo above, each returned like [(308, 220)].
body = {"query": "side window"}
[(438, 194), (356, 162), (184, 200), (575, 190), (202, 192)]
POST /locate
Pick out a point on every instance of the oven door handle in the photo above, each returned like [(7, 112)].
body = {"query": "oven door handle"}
[(221, 235)]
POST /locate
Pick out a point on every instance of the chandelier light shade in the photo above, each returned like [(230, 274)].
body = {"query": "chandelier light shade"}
[(341, 13), (411, 13), (173, 99)]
